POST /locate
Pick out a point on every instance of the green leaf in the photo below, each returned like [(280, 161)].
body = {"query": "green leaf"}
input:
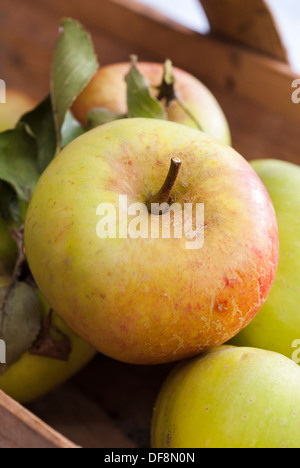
[(100, 116), (71, 129), (9, 205), (139, 99), (19, 161), (41, 123), (74, 64), (20, 319)]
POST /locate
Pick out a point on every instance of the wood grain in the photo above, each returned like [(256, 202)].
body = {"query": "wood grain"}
[(122, 27), (21, 429), (75, 415), (248, 22), (229, 66), (28, 33), (109, 404)]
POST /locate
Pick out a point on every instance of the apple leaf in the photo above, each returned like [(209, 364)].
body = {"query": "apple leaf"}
[(71, 129), (20, 320), (139, 99), (9, 205), (41, 123), (19, 161), (74, 64), (100, 116), (25, 152)]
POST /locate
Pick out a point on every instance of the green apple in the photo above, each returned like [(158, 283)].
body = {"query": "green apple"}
[(34, 376), (17, 103), (277, 326), (230, 398), (138, 298), (108, 90)]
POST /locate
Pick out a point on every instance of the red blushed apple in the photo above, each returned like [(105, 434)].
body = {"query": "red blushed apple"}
[(150, 300), (108, 90)]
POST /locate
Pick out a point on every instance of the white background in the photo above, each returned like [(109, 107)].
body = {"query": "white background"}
[(191, 14)]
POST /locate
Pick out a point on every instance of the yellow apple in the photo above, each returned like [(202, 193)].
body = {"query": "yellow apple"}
[(138, 298), (230, 398)]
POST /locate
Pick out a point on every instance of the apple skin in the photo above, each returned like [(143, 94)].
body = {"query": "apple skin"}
[(8, 250), (34, 376), (230, 398), (150, 301), (277, 325), (107, 89), (17, 104)]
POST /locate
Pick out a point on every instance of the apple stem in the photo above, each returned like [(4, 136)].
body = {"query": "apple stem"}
[(163, 196), (48, 346)]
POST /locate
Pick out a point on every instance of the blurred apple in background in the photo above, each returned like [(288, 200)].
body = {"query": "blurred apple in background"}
[(17, 104), (151, 300), (108, 90), (230, 398), (277, 325)]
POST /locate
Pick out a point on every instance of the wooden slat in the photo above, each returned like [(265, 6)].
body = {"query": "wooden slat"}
[(258, 133), (126, 393), (78, 418), (255, 92), (108, 404), (21, 429), (233, 68), (249, 22), (28, 32)]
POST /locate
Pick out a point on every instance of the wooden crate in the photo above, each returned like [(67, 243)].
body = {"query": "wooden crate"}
[(109, 404)]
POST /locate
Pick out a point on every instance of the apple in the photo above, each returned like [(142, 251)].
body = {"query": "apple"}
[(134, 297), (230, 398), (107, 90), (17, 104), (277, 326), (34, 376), (8, 250)]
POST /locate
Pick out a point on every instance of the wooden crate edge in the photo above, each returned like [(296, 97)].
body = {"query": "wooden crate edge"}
[(19, 428)]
